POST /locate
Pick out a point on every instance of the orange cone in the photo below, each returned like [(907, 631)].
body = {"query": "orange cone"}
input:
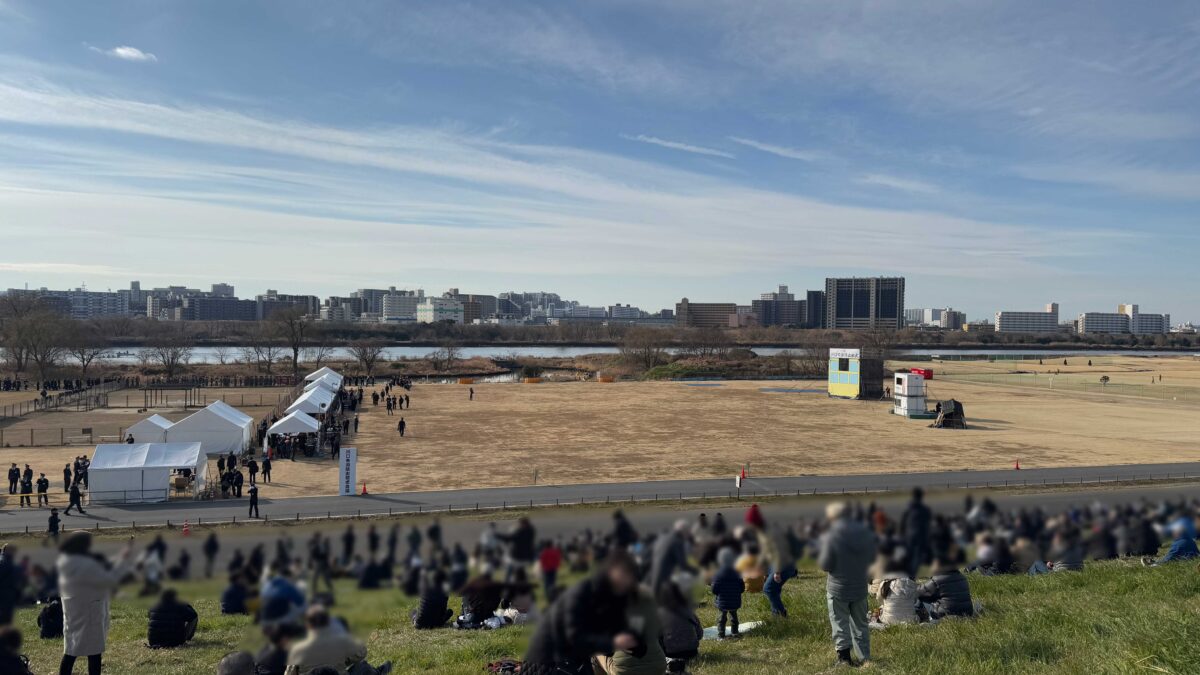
[(743, 472), (187, 529), (1017, 465), (364, 490)]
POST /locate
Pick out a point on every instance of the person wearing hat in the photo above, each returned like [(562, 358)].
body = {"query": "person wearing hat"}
[(86, 583)]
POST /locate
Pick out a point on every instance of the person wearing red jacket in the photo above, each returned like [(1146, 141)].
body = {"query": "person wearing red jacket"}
[(549, 560)]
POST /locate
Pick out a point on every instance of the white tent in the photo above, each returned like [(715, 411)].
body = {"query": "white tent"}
[(219, 429), (153, 429), (295, 423), (327, 381), (322, 372), (315, 401), (122, 473)]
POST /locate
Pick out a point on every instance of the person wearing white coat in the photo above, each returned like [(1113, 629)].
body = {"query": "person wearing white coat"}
[(86, 583)]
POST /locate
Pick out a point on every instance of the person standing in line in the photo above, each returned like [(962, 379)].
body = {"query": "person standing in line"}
[(356, 423), (472, 396), (407, 402), (75, 500), (238, 480), (43, 487), (86, 585), (401, 426), (67, 478), (253, 501), (847, 551), (266, 469), (221, 464), (14, 477), (252, 467)]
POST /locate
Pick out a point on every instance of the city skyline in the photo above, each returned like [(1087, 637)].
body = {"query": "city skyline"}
[(997, 158)]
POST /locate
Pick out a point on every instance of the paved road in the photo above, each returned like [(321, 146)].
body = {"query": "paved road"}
[(16, 519), (645, 517)]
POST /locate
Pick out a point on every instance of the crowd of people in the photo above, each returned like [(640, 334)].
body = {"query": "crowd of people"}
[(632, 609)]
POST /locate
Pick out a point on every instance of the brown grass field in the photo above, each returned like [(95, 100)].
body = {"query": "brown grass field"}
[(627, 431)]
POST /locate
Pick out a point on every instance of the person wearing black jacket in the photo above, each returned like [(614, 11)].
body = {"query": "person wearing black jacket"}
[(14, 477), (623, 533), (433, 609), (522, 545), (272, 659), (589, 618), (172, 622), (12, 661), (67, 478), (76, 500), (43, 487), (12, 580), (26, 491), (915, 526), (947, 593)]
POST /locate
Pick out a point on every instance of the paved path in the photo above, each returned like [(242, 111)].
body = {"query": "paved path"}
[(16, 519)]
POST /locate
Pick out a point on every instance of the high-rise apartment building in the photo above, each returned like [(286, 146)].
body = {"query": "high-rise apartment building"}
[(400, 306), (1029, 322), (864, 303), (780, 308), (703, 314), (436, 310)]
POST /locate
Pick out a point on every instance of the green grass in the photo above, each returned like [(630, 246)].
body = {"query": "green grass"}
[(1112, 618)]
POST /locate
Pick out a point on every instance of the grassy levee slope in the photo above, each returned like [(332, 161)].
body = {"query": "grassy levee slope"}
[(1112, 618)]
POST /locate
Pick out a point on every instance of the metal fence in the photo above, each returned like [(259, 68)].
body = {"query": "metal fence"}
[(1161, 392), (278, 511), (135, 399), (83, 399)]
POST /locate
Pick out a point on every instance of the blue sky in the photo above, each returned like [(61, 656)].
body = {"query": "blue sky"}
[(999, 156)]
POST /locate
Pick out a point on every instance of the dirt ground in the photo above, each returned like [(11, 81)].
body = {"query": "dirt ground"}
[(594, 432), (625, 431)]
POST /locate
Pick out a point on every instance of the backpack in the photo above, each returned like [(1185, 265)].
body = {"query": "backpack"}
[(50, 621)]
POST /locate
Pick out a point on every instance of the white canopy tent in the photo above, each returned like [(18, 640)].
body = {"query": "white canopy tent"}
[(295, 423), (315, 401), (153, 429), (219, 428), (327, 381), (322, 372), (122, 473)]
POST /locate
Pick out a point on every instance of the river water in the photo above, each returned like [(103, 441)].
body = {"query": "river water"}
[(209, 354)]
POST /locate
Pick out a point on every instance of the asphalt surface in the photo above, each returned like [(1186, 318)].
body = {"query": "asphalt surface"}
[(645, 517), (15, 519)]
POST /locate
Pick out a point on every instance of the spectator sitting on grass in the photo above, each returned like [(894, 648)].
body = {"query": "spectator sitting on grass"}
[(1066, 551), (897, 595), (947, 593), (233, 598), (433, 609), (331, 646), (281, 602), (236, 663), (272, 659), (12, 661), (172, 623), (1183, 546)]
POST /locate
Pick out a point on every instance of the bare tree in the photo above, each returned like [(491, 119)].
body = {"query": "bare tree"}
[(85, 343), (144, 356), (444, 357), (172, 353), (223, 354), (367, 353), (14, 307), (293, 327), (42, 335), (706, 342), (319, 350), (264, 349), (644, 346)]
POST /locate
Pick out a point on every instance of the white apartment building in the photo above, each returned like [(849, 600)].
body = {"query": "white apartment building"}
[(1028, 322), (1145, 324), (400, 305), (1101, 323), (435, 310), (624, 312)]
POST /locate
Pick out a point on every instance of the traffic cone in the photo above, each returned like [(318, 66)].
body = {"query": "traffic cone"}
[(743, 472), (1017, 465), (364, 490), (187, 529)]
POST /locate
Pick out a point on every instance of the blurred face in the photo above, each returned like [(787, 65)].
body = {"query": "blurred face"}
[(621, 579)]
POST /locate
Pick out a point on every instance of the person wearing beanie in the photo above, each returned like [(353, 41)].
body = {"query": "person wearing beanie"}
[(847, 550)]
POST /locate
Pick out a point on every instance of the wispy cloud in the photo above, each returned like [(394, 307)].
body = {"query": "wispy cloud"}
[(1139, 180), (677, 145), (125, 53), (904, 184), (782, 151), (59, 268)]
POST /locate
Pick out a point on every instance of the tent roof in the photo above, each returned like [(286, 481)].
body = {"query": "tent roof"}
[(230, 413), (155, 420), (328, 381), (146, 455), (321, 372), (296, 423), (311, 400)]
